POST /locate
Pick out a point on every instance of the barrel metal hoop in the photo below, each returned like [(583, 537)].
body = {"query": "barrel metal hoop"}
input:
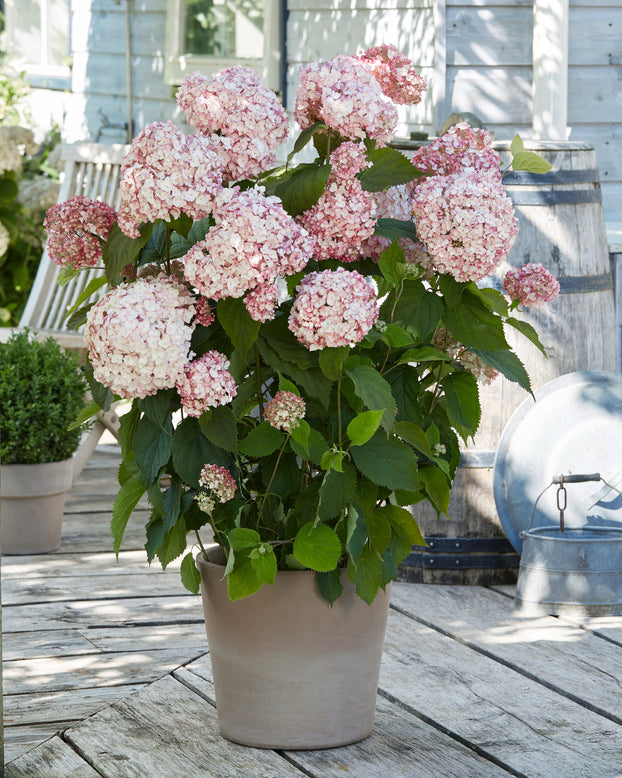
[(463, 554), (555, 196), (523, 178)]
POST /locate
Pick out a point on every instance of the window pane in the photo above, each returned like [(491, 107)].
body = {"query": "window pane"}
[(225, 28)]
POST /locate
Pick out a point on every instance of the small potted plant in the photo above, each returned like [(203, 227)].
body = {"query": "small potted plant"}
[(42, 390)]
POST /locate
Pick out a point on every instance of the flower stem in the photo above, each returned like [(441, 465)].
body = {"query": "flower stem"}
[(258, 378), (196, 532), (276, 467), (339, 409)]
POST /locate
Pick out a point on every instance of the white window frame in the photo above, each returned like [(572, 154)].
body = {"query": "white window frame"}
[(45, 74), (178, 63)]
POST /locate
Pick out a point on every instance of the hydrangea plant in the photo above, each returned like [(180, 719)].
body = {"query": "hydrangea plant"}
[(301, 343)]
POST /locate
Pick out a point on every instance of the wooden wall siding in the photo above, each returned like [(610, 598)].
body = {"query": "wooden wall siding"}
[(99, 67), (320, 29)]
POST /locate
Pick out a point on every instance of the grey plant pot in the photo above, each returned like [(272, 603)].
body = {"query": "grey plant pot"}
[(32, 503), (290, 671)]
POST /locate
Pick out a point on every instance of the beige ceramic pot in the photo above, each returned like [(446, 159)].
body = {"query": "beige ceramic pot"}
[(32, 505), (290, 671)]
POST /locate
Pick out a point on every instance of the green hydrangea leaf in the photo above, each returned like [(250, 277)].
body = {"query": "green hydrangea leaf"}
[(126, 500), (261, 441), (363, 426), (329, 584), (317, 547), (190, 576), (366, 574), (387, 462)]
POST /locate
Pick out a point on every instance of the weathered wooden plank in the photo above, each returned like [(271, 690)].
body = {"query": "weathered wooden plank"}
[(499, 712), (574, 662), (167, 727), (99, 563), (111, 613), (20, 740), (400, 744), (608, 627), (52, 759), (89, 587), (45, 674), (68, 705), (477, 36), (58, 642)]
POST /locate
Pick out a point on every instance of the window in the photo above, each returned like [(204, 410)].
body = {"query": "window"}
[(209, 35), (37, 40)]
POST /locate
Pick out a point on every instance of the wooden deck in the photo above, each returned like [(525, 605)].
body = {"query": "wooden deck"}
[(106, 674)]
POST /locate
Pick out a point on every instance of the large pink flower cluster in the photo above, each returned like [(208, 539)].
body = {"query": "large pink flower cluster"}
[(219, 481), (461, 149), (138, 336), (333, 308), (76, 231), (285, 411), (344, 217), (531, 285), (242, 118), (466, 223), (395, 73), (205, 383), (345, 95), (253, 241), (167, 173)]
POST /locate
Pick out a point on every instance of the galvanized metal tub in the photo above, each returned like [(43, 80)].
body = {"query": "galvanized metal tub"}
[(574, 571)]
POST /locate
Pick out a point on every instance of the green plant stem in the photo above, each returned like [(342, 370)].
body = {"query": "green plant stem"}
[(167, 239), (196, 532), (339, 409), (258, 379), (272, 477)]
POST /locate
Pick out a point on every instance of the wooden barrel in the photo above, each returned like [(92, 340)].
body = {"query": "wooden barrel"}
[(561, 226)]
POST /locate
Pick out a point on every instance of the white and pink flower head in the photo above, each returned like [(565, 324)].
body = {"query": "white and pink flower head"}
[(219, 481), (466, 223), (344, 94), (138, 336), (206, 383), (461, 149), (395, 73), (166, 173), (240, 116), (532, 285), (333, 308), (253, 241), (76, 231), (285, 411), (344, 217)]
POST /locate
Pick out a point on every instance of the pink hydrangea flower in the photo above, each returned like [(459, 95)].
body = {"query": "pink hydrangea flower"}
[(461, 149), (333, 308), (205, 383), (76, 230), (485, 374), (395, 73), (204, 312), (345, 95), (243, 118), (285, 411), (138, 336), (166, 173), (531, 285), (253, 241), (219, 481), (466, 223), (261, 302), (344, 217)]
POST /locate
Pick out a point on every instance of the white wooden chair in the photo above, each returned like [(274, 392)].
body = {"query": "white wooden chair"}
[(92, 170)]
